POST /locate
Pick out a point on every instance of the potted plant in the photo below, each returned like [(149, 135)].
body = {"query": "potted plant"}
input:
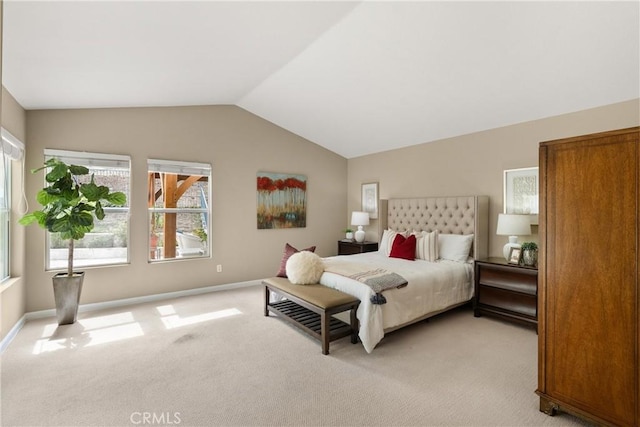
[(69, 207), (530, 253), (201, 233), (348, 233)]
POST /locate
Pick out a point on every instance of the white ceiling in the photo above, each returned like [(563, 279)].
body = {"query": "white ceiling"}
[(354, 77)]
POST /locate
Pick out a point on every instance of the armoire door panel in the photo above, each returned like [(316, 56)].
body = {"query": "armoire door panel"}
[(590, 267)]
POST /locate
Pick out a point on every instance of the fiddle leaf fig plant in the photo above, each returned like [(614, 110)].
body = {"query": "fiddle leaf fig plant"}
[(69, 206)]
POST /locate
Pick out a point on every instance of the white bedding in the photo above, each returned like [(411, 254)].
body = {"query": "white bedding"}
[(432, 287)]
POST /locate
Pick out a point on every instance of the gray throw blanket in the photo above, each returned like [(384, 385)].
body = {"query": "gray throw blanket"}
[(378, 279)]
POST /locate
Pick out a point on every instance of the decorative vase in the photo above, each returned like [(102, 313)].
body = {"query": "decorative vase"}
[(349, 235), (66, 291), (530, 257)]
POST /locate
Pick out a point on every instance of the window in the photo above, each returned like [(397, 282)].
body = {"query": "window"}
[(5, 208), (11, 149), (107, 244), (179, 210)]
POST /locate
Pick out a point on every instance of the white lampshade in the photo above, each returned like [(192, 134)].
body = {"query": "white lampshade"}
[(513, 226), (359, 219)]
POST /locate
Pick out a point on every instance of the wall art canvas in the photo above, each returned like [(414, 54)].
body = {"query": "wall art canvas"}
[(370, 199), (521, 188), (281, 200)]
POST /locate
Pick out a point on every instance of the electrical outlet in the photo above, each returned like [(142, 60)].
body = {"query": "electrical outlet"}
[(219, 268)]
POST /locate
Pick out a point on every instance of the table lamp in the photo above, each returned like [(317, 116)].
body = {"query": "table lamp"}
[(359, 219), (513, 226)]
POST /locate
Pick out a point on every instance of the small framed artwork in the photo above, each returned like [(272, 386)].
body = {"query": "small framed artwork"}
[(370, 199), (515, 254), (521, 188)]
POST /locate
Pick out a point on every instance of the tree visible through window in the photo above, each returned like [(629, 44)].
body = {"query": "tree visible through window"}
[(179, 210)]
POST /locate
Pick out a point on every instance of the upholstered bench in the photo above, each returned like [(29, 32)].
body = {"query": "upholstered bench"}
[(310, 308)]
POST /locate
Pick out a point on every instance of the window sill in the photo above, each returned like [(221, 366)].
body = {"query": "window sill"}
[(9, 283)]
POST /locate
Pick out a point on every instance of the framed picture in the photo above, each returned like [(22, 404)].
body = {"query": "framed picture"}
[(515, 254), (370, 199), (281, 200), (521, 189)]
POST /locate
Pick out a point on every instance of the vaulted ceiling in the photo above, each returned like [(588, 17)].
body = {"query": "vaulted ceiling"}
[(354, 77)]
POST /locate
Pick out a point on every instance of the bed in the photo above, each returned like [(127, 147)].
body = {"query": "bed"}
[(433, 287)]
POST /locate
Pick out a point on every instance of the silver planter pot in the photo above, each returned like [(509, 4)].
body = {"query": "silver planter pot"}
[(66, 291), (530, 258)]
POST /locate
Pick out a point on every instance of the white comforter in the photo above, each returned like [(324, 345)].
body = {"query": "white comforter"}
[(433, 287)]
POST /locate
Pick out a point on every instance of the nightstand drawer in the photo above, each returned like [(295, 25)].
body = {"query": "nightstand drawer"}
[(352, 247), (349, 250), (518, 303), (509, 279)]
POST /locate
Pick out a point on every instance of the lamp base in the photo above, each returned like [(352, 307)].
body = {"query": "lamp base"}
[(513, 243), (360, 234)]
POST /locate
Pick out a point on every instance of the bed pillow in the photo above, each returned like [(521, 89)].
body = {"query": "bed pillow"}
[(454, 247), (404, 247), (304, 268), (427, 245), (386, 242), (288, 251)]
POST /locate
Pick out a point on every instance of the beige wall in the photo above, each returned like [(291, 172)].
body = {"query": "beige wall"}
[(237, 144), (473, 164), (13, 292)]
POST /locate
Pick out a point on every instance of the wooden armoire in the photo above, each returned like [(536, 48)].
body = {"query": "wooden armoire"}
[(589, 299)]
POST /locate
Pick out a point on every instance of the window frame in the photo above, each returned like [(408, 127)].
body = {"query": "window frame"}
[(94, 160), (179, 168), (12, 150), (5, 219)]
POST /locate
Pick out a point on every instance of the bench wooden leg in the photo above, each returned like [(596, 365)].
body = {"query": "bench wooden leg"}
[(354, 325), (324, 332)]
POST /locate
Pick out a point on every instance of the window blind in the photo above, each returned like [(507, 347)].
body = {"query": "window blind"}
[(12, 147), (181, 168), (84, 158)]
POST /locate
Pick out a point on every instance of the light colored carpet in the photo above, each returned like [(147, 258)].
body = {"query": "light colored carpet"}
[(215, 360)]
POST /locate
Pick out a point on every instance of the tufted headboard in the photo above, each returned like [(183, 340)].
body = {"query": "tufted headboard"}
[(453, 215)]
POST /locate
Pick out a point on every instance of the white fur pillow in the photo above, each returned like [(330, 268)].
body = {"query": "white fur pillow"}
[(304, 268)]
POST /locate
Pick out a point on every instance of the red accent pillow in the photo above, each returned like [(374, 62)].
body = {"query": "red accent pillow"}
[(404, 248), (288, 251)]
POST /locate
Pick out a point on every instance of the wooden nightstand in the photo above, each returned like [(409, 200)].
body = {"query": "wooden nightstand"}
[(506, 290), (350, 248)]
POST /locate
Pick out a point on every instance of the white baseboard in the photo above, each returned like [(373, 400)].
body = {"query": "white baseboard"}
[(120, 303), (12, 334)]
